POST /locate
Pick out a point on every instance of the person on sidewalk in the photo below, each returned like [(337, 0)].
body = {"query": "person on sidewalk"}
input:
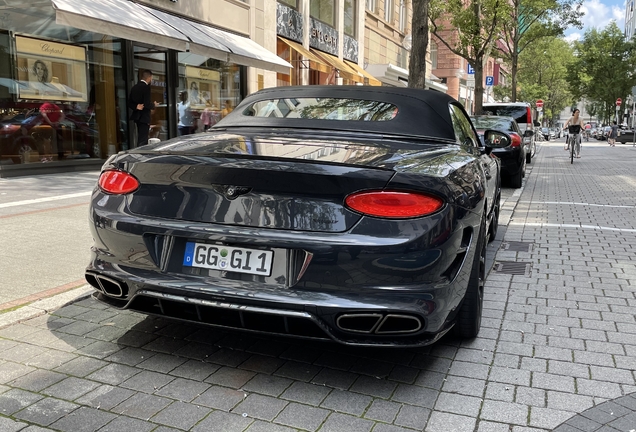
[(141, 105), (613, 134), (572, 121)]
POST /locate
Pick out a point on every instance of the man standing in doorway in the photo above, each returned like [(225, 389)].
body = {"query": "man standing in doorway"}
[(140, 104)]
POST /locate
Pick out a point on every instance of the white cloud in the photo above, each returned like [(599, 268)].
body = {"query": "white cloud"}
[(573, 37), (599, 15)]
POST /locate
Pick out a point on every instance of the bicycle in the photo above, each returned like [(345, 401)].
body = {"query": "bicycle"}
[(573, 141)]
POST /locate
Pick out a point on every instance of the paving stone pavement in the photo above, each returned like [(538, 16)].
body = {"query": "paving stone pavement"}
[(557, 349)]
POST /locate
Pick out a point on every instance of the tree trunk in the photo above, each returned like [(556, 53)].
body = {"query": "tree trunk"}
[(514, 59), (479, 85), (419, 24)]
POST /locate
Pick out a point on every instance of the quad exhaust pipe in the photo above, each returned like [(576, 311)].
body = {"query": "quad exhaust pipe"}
[(109, 286), (380, 324)]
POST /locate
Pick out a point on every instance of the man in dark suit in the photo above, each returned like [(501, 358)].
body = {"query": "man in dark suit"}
[(140, 104)]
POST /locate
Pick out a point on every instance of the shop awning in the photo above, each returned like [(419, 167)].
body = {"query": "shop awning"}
[(335, 62), (389, 74), (372, 80), (315, 62), (125, 19)]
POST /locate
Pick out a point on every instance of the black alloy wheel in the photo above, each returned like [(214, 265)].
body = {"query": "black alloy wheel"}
[(469, 315)]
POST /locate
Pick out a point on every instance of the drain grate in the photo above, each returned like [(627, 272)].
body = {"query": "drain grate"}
[(516, 246), (512, 267)]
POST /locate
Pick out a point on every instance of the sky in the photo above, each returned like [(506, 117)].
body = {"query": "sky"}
[(599, 13)]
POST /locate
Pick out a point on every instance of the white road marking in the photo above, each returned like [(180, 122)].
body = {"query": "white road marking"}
[(47, 199), (593, 227), (578, 203)]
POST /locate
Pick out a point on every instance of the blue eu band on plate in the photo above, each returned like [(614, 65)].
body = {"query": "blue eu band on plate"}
[(239, 260)]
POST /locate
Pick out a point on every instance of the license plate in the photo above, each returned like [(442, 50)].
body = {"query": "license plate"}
[(234, 259)]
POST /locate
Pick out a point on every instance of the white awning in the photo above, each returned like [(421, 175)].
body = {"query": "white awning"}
[(389, 74), (125, 19)]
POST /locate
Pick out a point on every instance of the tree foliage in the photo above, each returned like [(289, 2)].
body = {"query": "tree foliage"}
[(530, 21), (603, 69), (474, 24)]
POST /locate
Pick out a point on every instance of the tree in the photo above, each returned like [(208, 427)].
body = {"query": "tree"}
[(543, 75), (419, 44), (473, 25), (530, 21), (603, 68)]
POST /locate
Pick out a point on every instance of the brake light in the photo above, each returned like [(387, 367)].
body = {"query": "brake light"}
[(393, 204), (516, 140), (117, 182), (529, 119)]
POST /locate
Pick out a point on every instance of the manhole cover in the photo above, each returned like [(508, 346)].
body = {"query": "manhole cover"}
[(515, 246), (512, 267)]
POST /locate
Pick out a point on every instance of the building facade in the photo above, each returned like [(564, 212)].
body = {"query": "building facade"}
[(67, 67)]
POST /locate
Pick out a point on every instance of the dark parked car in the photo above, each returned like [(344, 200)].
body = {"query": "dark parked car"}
[(354, 214), (513, 157)]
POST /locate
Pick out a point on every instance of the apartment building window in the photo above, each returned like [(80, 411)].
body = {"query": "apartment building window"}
[(323, 10), (433, 55), (291, 3), (372, 5), (350, 18), (388, 11), (402, 15)]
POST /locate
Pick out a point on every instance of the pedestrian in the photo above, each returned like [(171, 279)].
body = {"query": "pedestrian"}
[(185, 114), (575, 120), (613, 134), (141, 105), (227, 108)]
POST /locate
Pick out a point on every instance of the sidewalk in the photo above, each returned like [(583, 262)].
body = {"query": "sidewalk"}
[(557, 349)]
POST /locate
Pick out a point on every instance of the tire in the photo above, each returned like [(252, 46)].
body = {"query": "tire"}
[(515, 179), (469, 316), (494, 223)]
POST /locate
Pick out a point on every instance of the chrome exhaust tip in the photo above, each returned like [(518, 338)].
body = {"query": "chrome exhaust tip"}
[(379, 324), (92, 281)]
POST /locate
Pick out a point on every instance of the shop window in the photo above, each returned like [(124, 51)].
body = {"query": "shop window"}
[(350, 18), (323, 10), (208, 90), (372, 5), (61, 100)]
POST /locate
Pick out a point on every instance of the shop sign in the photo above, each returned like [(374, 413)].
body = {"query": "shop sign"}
[(49, 70), (323, 37), (350, 49), (203, 87), (289, 23)]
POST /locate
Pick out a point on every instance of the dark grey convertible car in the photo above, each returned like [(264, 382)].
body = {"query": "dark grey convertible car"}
[(355, 214)]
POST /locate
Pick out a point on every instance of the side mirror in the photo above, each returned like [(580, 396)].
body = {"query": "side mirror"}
[(537, 124), (496, 139), (528, 133)]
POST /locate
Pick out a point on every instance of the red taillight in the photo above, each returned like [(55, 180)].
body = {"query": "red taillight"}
[(117, 182), (393, 204), (516, 140), (529, 119)]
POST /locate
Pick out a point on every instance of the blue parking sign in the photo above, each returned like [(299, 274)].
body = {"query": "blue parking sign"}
[(471, 71), (490, 80)]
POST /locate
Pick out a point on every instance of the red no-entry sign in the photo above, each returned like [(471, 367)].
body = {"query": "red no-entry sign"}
[(618, 102), (539, 103)]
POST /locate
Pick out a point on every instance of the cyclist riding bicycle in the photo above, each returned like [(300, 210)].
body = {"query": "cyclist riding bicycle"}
[(575, 120)]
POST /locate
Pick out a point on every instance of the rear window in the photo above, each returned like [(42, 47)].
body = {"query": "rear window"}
[(519, 113), (490, 123), (323, 109)]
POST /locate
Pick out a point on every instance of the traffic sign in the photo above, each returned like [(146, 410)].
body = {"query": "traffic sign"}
[(470, 71), (618, 102), (490, 80), (539, 104)]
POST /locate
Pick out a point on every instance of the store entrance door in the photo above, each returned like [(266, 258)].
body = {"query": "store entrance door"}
[(155, 60)]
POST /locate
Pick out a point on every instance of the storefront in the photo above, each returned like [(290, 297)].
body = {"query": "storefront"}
[(67, 66)]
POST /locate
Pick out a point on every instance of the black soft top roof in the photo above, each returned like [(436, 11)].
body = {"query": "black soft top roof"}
[(423, 113)]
